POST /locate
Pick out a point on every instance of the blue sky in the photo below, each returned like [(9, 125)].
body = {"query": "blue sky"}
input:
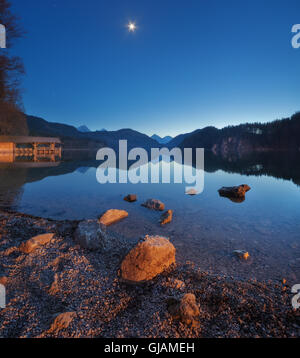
[(190, 63)]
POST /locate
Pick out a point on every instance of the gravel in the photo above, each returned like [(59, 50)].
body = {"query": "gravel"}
[(62, 277)]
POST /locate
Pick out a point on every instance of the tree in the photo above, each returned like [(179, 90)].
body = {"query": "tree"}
[(11, 67), (12, 120)]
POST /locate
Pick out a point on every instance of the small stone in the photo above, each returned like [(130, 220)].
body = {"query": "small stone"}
[(90, 235), (191, 191), (242, 254), (154, 204), (130, 198), (112, 216), (148, 259), (185, 309), (35, 242), (166, 217), (62, 321), (177, 284)]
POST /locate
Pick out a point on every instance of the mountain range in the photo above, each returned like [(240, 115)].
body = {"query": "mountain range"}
[(281, 134), (161, 140)]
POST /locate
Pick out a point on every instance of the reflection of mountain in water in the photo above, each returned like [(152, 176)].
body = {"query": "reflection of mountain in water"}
[(281, 165), (284, 165)]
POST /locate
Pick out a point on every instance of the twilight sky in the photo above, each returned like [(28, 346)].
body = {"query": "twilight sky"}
[(189, 64)]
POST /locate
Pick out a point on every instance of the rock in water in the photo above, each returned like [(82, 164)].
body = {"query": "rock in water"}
[(234, 191), (90, 235), (35, 242), (242, 254), (185, 309), (191, 192), (148, 259), (154, 204), (130, 198), (166, 217), (112, 216)]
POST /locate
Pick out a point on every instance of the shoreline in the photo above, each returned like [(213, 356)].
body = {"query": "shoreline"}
[(62, 277)]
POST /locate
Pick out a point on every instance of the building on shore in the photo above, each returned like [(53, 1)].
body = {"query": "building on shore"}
[(36, 149)]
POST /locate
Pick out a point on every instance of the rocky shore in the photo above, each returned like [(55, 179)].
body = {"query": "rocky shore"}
[(55, 287)]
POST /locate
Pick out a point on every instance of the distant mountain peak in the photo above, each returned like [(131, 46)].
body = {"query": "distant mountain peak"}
[(161, 140), (83, 129)]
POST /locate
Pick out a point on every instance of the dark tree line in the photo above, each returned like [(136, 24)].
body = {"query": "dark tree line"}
[(12, 120), (283, 134)]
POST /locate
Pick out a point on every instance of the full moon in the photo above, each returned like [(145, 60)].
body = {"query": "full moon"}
[(131, 27)]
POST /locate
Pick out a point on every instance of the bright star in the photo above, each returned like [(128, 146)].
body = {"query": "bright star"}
[(131, 27)]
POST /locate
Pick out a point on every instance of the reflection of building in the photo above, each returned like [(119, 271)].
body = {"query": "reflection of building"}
[(29, 149)]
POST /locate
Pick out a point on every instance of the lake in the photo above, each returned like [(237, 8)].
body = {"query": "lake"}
[(206, 228)]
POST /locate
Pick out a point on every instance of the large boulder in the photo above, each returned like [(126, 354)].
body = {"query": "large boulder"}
[(91, 235), (35, 242), (154, 204), (148, 259), (234, 191), (112, 216)]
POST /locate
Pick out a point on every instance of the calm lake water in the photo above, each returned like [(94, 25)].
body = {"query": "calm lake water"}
[(206, 228)]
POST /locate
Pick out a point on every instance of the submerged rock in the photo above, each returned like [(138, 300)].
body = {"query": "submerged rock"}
[(112, 216), (130, 198), (166, 217), (234, 191), (154, 204), (90, 235), (148, 259), (185, 309), (235, 200), (242, 254), (191, 192), (35, 242)]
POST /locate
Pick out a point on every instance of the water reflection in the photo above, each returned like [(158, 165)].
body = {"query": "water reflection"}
[(16, 171), (206, 228)]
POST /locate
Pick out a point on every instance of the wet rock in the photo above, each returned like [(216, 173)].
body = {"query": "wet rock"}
[(90, 235), (191, 192), (154, 204), (236, 200), (130, 198), (62, 321), (166, 217), (242, 254), (185, 309), (35, 242), (148, 259), (234, 191), (112, 216)]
